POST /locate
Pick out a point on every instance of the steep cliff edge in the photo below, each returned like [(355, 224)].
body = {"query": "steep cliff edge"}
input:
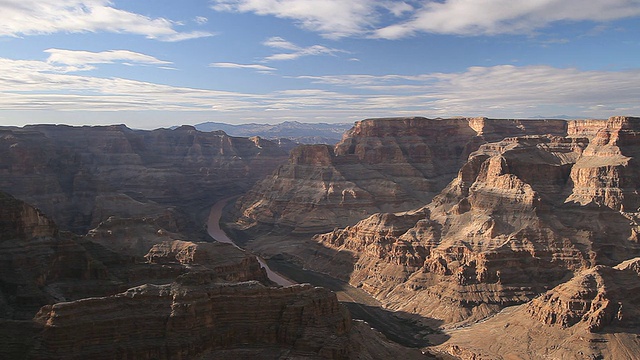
[(390, 164), (502, 232), (592, 316), (64, 296), (80, 176)]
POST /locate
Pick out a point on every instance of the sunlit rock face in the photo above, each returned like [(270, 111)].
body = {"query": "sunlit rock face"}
[(505, 230), (592, 316), (80, 176), (390, 164)]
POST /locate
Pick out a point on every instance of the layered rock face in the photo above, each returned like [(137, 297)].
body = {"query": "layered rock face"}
[(608, 173), (194, 316), (385, 165), (505, 230), (63, 297), (592, 316), (33, 258), (80, 176)]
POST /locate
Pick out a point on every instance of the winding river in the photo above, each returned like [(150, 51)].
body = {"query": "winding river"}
[(214, 230)]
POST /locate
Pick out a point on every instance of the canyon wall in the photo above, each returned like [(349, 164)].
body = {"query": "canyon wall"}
[(592, 316), (64, 296), (80, 176), (506, 229), (389, 164)]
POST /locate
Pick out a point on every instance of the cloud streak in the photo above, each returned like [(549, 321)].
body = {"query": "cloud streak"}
[(37, 17), (296, 51), (499, 91), (401, 19), (228, 65), (491, 17), (77, 60), (331, 18)]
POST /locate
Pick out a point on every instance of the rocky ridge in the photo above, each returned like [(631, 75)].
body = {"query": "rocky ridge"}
[(499, 234), (592, 316), (81, 176), (64, 296), (390, 164)]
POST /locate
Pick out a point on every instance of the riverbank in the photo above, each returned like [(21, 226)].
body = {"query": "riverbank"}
[(216, 233)]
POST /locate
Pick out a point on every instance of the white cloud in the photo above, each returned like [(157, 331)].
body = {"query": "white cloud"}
[(398, 19), (297, 51), (83, 60), (242, 66), (490, 17), (331, 18), (34, 17), (200, 20), (498, 91)]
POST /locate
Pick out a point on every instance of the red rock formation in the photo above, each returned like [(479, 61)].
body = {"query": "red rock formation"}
[(592, 316), (194, 316), (80, 176), (608, 174), (385, 165), (499, 234)]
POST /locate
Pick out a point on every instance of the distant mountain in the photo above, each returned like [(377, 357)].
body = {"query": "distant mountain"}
[(304, 133)]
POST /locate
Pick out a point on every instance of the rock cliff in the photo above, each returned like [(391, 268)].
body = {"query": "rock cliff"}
[(505, 230), (194, 316), (592, 316), (390, 164), (80, 176), (64, 296)]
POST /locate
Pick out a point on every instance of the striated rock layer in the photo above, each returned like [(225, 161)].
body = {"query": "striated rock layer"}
[(390, 164), (505, 230), (192, 316), (592, 316), (81, 176), (63, 297)]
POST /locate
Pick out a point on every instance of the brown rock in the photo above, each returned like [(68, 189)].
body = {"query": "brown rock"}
[(498, 235), (592, 316), (387, 165), (193, 316), (81, 176)]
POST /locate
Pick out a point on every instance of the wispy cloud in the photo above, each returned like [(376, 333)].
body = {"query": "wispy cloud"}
[(77, 60), (200, 20), (490, 17), (399, 19), (35, 17), (330, 18), (228, 65), (501, 91), (296, 51)]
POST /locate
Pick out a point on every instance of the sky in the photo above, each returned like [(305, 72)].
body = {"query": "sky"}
[(160, 63)]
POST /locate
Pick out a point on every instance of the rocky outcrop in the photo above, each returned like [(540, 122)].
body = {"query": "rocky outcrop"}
[(387, 165), (499, 234), (63, 297), (224, 261), (592, 316), (194, 316), (198, 318), (81, 176), (608, 173), (584, 128)]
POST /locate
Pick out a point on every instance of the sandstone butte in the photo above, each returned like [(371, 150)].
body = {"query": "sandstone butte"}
[(530, 228), (64, 296)]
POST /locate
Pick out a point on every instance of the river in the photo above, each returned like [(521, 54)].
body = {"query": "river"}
[(214, 230), (360, 304)]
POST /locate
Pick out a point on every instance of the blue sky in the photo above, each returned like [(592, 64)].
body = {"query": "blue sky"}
[(157, 63)]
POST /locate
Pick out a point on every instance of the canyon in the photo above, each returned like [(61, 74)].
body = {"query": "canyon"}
[(445, 231), (523, 212)]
